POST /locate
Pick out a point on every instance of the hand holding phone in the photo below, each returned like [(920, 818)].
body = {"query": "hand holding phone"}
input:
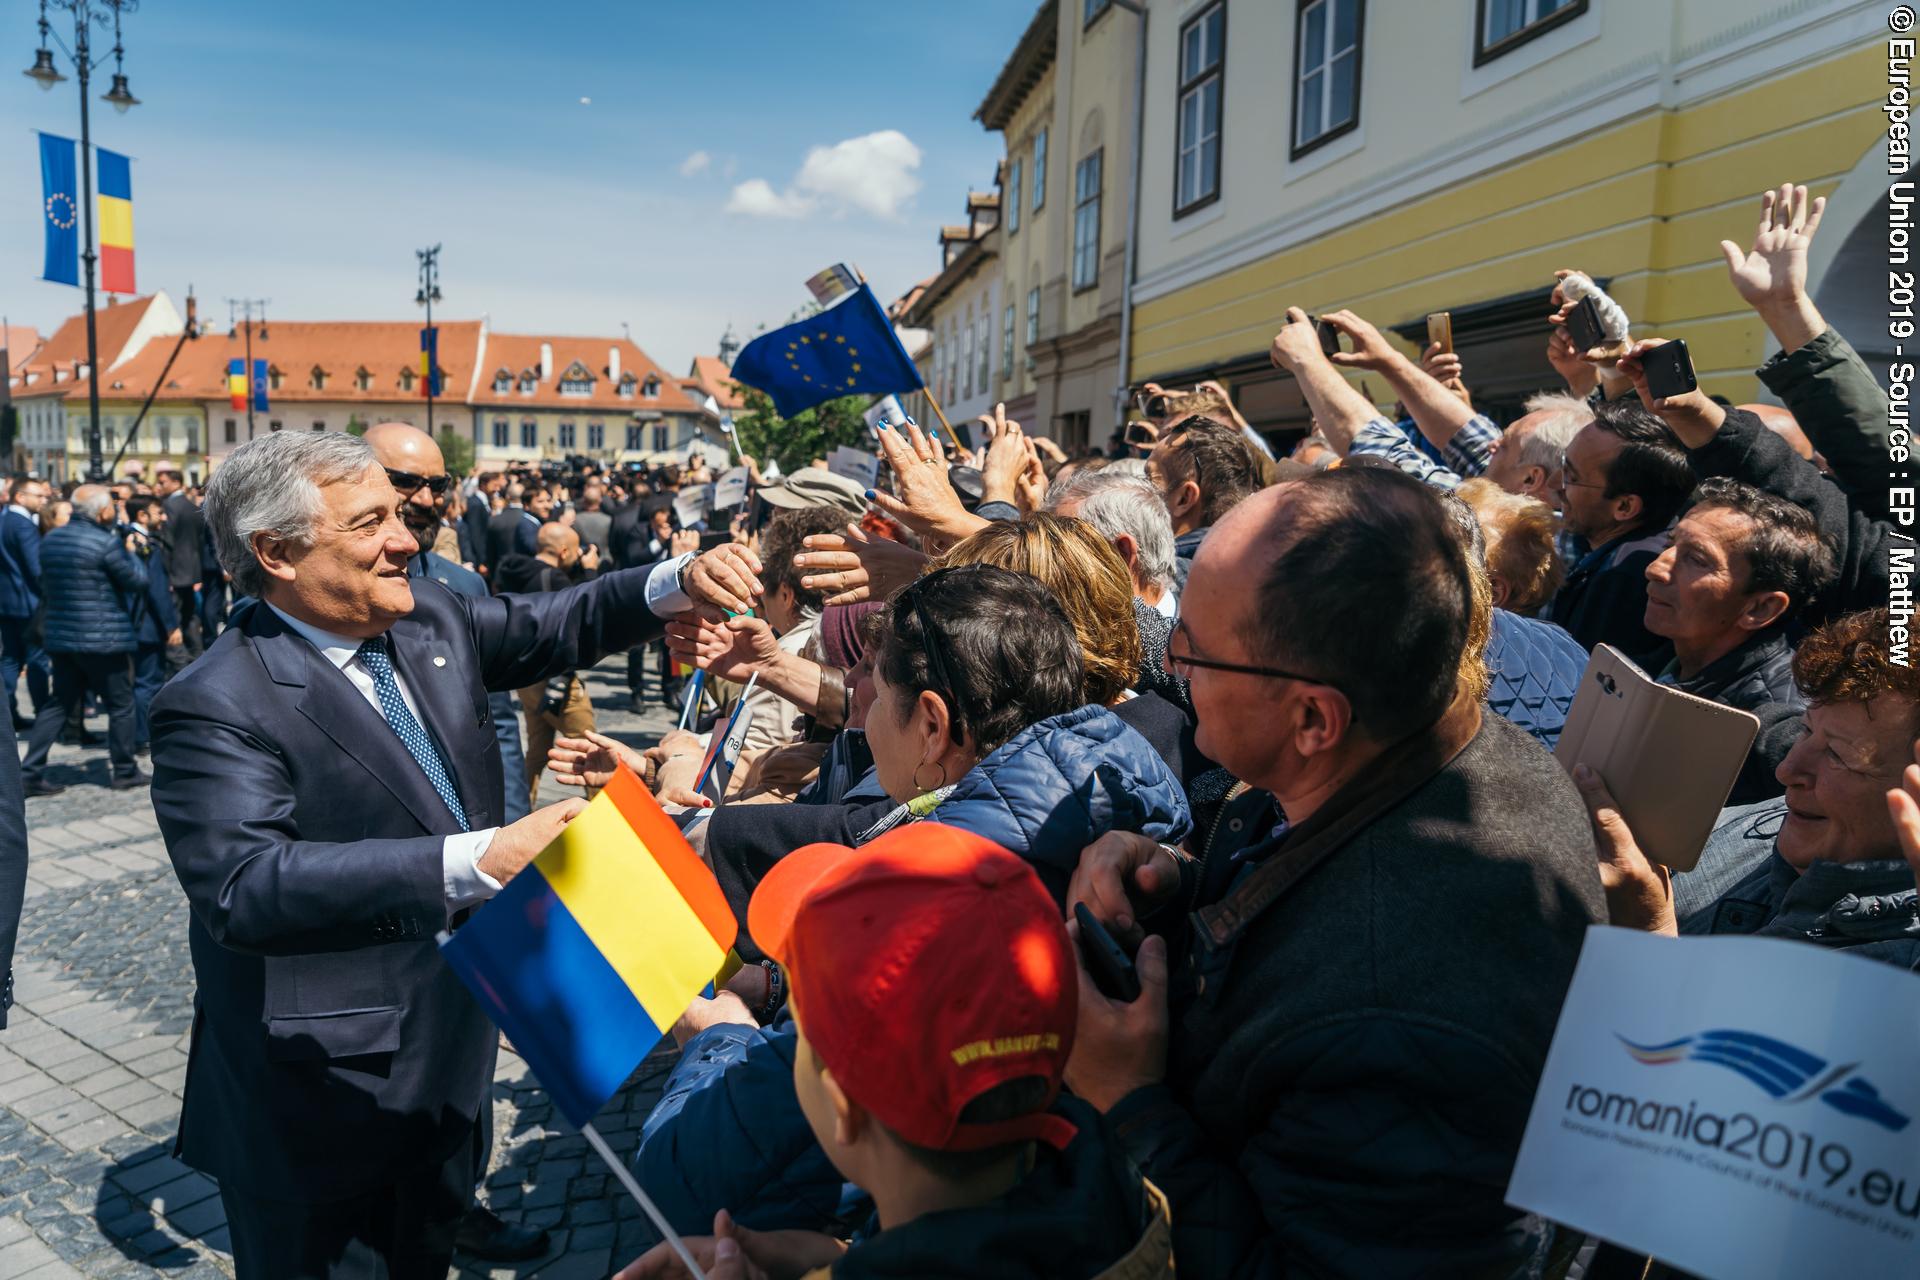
[(1669, 370), (1584, 327), (1112, 968), (1329, 336), (1440, 330)]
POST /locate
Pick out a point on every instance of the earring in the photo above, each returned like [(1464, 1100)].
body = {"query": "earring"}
[(936, 786)]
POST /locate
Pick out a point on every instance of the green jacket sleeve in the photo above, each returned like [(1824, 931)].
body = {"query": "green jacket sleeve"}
[(1839, 404)]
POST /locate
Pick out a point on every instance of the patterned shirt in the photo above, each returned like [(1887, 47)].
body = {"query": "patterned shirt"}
[(1467, 454)]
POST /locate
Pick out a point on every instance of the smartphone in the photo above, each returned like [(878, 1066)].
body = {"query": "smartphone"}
[(1669, 370), (1440, 330), (1112, 968), (1140, 433), (1584, 327), (1329, 336), (711, 538)]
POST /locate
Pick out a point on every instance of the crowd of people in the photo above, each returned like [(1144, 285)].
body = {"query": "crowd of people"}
[(1279, 727)]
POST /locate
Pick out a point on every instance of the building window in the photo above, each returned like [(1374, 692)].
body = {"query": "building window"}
[(1006, 343), (1092, 9), (274, 379), (1326, 73), (1033, 315), (576, 382), (193, 438), (984, 352), (1504, 25), (596, 436), (233, 431), (274, 425), (1013, 197), (660, 438), (1086, 222), (625, 389), (527, 382), (499, 433), (363, 379), (406, 380), (1039, 170), (1202, 76), (566, 435), (320, 426), (651, 388), (529, 435), (966, 359), (502, 382), (165, 428), (634, 435)]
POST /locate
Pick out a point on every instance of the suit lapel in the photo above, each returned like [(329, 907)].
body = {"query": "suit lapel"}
[(342, 712)]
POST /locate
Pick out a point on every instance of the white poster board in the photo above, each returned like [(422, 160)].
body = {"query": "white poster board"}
[(730, 490), (885, 412), (691, 504), (855, 464), (1733, 1106)]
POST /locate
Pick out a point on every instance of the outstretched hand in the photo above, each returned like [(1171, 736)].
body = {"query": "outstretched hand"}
[(854, 566), (1774, 272)]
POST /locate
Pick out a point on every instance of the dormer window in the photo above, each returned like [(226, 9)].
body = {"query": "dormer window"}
[(651, 388), (627, 384), (318, 379), (406, 380), (275, 377), (528, 381), (502, 382), (576, 381), (362, 379)]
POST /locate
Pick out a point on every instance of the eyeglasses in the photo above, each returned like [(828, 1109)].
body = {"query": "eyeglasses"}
[(1567, 480), (408, 484), (1188, 662)]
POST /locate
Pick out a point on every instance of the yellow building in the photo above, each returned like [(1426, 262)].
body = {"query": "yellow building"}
[(1403, 156)]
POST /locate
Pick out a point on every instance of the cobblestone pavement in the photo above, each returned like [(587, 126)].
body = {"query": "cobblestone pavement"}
[(95, 1055)]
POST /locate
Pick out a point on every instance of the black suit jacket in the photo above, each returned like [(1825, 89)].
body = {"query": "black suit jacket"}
[(331, 1046), (13, 857), (512, 530), (185, 522)]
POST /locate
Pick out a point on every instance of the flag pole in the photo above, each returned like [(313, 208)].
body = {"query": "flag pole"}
[(693, 695), (935, 406), (627, 1180)]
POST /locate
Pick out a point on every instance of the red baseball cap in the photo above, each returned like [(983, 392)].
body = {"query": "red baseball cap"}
[(927, 967)]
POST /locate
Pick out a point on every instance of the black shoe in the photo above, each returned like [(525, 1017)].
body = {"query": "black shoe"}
[(41, 787), (672, 695), (126, 782), (637, 702), (483, 1235)]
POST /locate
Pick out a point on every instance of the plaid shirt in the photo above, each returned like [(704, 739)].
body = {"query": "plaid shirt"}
[(1467, 453)]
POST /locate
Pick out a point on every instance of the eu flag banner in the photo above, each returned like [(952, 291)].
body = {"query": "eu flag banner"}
[(60, 209), (259, 386), (846, 350), (593, 952), (116, 220)]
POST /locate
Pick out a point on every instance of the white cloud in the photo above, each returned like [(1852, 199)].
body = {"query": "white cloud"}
[(698, 162), (873, 173), (757, 199)]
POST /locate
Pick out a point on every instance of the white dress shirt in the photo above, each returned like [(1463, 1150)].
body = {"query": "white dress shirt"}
[(463, 880)]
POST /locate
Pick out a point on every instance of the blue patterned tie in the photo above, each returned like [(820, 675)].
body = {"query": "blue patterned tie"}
[(373, 656)]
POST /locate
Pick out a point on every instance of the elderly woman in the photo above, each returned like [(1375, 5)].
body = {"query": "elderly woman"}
[(1824, 864)]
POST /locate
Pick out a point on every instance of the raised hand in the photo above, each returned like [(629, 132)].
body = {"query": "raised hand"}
[(923, 497), (854, 566), (1774, 272), (1371, 350)]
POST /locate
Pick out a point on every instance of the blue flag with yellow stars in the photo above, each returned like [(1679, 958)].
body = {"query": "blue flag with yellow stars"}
[(846, 350)]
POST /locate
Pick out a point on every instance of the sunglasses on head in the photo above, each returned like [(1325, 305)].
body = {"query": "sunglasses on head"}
[(408, 484)]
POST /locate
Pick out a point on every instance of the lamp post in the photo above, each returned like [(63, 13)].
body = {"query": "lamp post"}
[(428, 294), (85, 14), (244, 307)]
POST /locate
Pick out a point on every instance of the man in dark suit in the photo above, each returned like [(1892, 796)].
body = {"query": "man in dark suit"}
[(514, 530), (20, 597), (184, 523), (327, 782), (13, 862)]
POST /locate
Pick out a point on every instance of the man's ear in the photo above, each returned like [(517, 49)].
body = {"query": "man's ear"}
[(1129, 551), (1764, 608), (1628, 508), (275, 556), (1186, 496), (1323, 719)]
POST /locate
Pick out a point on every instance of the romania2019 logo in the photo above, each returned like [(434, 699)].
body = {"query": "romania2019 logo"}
[(1785, 1072)]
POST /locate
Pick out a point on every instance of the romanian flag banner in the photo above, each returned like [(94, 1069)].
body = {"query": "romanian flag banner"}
[(237, 384), (589, 955), (116, 221), (60, 205)]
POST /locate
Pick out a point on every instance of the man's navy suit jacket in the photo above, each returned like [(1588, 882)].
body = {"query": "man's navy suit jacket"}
[(332, 1048)]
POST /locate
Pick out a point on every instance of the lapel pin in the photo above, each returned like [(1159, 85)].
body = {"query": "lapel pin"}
[(439, 661)]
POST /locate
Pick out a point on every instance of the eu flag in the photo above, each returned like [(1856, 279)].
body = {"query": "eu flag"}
[(60, 183), (259, 386), (846, 350)]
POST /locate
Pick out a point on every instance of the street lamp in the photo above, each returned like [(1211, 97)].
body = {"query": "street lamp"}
[(426, 296), (43, 71)]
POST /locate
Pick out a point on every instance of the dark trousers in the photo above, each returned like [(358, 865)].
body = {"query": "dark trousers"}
[(186, 607), (19, 650), (213, 607), (398, 1232), (107, 675), (150, 671), (636, 668)]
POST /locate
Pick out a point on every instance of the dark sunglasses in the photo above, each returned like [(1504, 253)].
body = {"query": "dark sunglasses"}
[(408, 484)]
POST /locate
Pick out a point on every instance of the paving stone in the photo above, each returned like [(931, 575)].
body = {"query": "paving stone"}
[(142, 1178), (198, 1219), (73, 1070)]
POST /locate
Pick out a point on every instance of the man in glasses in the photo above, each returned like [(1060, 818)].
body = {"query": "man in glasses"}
[(1352, 980)]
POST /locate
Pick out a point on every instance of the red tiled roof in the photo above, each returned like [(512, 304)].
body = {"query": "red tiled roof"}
[(112, 326), (712, 376), (20, 343), (516, 353)]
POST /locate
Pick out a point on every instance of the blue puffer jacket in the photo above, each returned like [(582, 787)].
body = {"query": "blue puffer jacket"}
[(729, 1134), (90, 583), (1536, 668)]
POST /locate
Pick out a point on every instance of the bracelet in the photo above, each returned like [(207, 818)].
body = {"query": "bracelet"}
[(776, 994)]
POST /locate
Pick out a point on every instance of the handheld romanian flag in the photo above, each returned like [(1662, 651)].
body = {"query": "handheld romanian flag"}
[(116, 221), (237, 384), (589, 955)]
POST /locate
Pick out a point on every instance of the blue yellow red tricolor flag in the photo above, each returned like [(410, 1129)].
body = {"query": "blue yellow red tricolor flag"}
[(237, 384), (430, 360), (116, 221), (589, 955), (60, 207)]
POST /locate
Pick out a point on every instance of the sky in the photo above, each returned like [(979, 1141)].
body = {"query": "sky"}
[(675, 166)]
